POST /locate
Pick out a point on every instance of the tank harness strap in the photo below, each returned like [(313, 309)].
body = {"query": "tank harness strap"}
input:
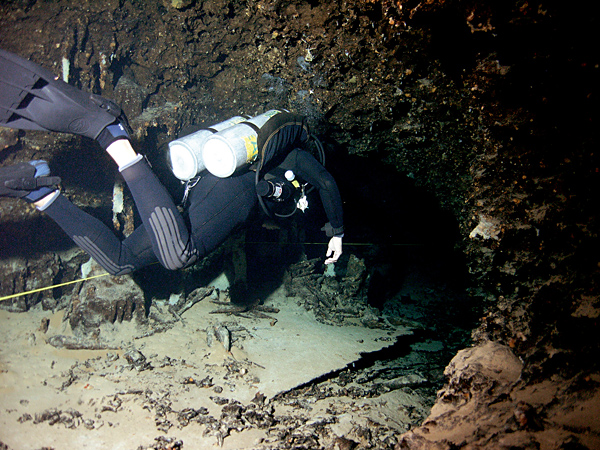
[(253, 126), (293, 120)]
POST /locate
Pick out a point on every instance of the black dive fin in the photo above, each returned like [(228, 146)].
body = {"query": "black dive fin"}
[(32, 98), (19, 180)]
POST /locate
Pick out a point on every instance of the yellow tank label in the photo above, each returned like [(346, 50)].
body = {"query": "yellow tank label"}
[(251, 147)]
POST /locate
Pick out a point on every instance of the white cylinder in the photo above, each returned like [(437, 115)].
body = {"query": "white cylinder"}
[(185, 153), (234, 147)]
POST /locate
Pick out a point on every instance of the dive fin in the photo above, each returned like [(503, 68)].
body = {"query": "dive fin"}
[(30, 180), (33, 98)]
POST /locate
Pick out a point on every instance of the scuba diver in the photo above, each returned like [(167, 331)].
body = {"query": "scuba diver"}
[(32, 98)]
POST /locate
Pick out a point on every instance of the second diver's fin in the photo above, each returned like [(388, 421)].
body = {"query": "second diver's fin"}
[(30, 179), (33, 98)]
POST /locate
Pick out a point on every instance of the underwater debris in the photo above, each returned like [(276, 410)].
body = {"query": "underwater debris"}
[(221, 333), (75, 343), (186, 415), (137, 360), (164, 443), (70, 418), (254, 309), (335, 300), (184, 303), (104, 300)]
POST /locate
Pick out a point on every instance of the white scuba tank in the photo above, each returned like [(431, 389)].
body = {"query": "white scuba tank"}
[(232, 148), (185, 153), (221, 149)]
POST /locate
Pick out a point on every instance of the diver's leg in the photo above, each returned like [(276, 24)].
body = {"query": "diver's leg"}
[(98, 240), (32, 182), (122, 152), (163, 222), (53, 105), (166, 229)]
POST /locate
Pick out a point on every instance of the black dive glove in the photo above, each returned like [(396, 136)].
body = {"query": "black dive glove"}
[(32, 98)]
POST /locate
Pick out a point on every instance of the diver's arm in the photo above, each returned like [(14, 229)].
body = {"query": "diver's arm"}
[(309, 169)]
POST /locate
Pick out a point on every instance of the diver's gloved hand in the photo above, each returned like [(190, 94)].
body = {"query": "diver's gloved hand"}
[(32, 98), (31, 181), (334, 249)]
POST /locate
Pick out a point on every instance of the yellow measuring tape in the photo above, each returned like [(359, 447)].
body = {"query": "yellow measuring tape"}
[(33, 291)]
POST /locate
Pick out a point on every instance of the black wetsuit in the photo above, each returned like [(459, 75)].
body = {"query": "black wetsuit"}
[(217, 206)]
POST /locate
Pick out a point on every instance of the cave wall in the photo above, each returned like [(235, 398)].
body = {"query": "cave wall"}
[(488, 106)]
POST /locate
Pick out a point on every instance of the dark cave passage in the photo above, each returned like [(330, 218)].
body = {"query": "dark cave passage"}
[(410, 246), (390, 222)]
